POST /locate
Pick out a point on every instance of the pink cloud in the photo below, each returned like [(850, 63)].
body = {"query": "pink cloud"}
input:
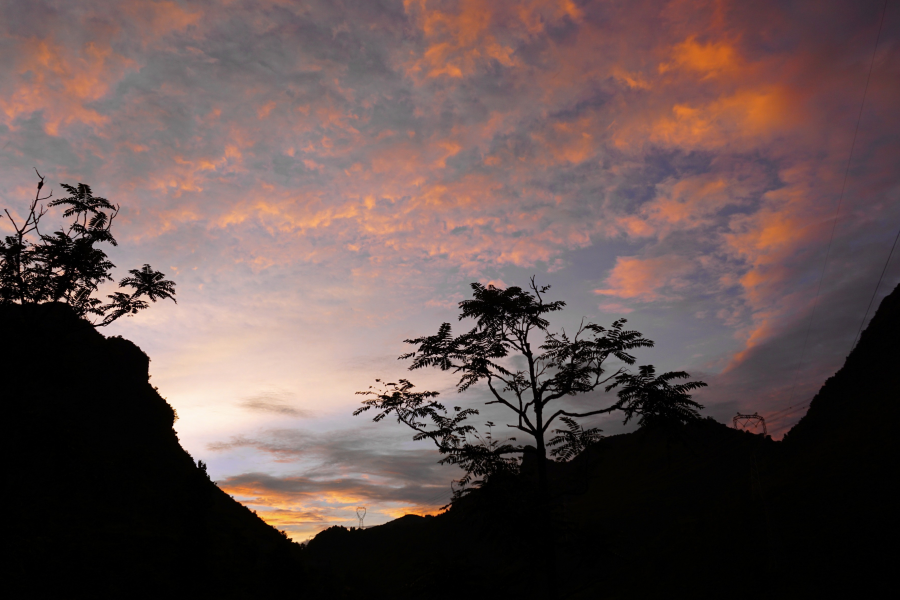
[(645, 279)]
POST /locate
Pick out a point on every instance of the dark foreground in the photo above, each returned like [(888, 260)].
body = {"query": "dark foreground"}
[(101, 501), (699, 511), (99, 498)]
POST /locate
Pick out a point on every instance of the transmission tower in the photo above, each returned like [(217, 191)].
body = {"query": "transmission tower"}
[(361, 513), (745, 421)]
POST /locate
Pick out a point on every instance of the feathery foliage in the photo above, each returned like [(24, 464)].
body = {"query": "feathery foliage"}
[(654, 399), (570, 442), (67, 266), (448, 431), (530, 370)]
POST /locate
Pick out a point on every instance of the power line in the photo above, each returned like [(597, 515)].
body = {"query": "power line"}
[(787, 415), (875, 291), (435, 499), (785, 411), (840, 202), (788, 408)]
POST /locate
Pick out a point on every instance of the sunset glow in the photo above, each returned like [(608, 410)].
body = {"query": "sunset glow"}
[(323, 180)]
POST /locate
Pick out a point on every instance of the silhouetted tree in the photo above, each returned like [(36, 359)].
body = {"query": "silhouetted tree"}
[(431, 420), (508, 324), (66, 266), (654, 399)]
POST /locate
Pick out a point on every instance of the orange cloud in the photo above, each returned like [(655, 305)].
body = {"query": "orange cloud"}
[(60, 84), (736, 119), (569, 142), (62, 80), (159, 18), (478, 32), (642, 279), (458, 40), (710, 59)]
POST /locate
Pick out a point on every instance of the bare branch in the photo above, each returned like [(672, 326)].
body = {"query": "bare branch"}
[(566, 413), (520, 428), (16, 227), (501, 400)]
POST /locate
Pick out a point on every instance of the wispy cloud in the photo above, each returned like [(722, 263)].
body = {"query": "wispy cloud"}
[(279, 403), (339, 471)]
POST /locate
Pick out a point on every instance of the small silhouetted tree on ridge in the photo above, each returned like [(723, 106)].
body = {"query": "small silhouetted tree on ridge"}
[(511, 323), (67, 266)]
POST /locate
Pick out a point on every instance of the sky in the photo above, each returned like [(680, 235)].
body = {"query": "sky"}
[(324, 179)]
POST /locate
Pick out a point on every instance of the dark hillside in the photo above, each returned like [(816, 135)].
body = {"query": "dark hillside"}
[(834, 487), (632, 506), (99, 498), (860, 401), (697, 511)]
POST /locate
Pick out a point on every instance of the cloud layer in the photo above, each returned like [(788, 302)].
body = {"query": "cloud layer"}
[(323, 178), (343, 470)]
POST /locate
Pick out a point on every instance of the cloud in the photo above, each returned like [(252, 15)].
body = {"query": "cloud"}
[(711, 58), (274, 402), (341, 470), (303, 507), (615, 307), (266, 490), (643, 279), (364, 450)]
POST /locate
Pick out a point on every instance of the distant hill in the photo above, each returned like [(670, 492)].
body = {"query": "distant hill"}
[(99, 498), (701, 511)]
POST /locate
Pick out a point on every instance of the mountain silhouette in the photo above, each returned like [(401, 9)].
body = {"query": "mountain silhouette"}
[(99, 498), (834, 484), (701, 510)]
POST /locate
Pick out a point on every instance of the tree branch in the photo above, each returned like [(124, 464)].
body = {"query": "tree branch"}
[(566, 413), (501, 400)]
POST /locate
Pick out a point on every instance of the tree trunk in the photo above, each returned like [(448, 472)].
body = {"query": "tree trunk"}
[(546, 537), (542, 465)]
